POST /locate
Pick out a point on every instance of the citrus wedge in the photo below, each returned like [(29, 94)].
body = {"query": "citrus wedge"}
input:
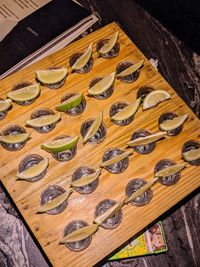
[(34, 170), (43, 120), (141, 190), (51, 76), (55, 202), (86, 179), (192, 154), (146, 139), (26, 93), (83, 60), (103, 85), (109, 213), (133, 68), (5, 104), (170, 170), (94, 127), (169, 125), (109, 44), (14, 138), (80, 234), (60, 145), (127, 112), (116, 159), (155, 97), (70, 103)]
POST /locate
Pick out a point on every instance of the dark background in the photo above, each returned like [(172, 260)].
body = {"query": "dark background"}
[(181, 17)]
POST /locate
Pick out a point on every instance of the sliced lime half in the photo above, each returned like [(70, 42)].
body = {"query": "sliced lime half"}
[(176, 122), (51, 76), (109, 44), (34, 170), (70, 103), (60, 145), (94, 127), (83, 60), (5, 104), (44, 120), (104, 84), (127, 112), (26, 93), (14, 138)]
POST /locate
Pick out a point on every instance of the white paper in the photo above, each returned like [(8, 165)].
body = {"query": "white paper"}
[(12, 11)]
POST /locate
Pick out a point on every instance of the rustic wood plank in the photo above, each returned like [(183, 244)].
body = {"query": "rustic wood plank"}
[(48, 229)]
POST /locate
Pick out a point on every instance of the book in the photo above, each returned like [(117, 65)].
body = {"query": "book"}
[(43, 32), (152, 241)]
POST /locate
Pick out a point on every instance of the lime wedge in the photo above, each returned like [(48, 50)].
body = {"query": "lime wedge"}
[(133, 68), (26, 93), (192, 154), (94, 127), (155, 97), (169, 125), (51, 76), (55, 202), (109, 213), (86, 179), (83, 60), (127, 112), (14, 138), (43, 120), (80, 234), (141, 190), (70, 103), (103, 85), (109, 44), (5, 104), (146, 139), (116, 159), (34, 170), (60, 145), (170, 170)]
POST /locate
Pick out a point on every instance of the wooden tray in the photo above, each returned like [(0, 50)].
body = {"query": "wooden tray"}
[(49, 229)]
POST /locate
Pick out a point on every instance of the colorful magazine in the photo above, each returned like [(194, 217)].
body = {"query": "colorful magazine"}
[(152, 241)]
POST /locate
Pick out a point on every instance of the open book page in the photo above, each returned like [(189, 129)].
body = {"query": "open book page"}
[(12, 11), (49, 28)]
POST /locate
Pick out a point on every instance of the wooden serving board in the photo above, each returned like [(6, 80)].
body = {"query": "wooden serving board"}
[(48, 229)]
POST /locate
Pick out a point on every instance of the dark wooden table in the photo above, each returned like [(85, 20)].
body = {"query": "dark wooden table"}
[(180, 66)]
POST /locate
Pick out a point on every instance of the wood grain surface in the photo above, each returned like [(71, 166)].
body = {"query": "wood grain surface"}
[(49, 229)]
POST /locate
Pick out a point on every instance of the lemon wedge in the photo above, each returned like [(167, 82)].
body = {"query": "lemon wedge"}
[(60, 145), (192, 155), (169, 125), (86, 179), (51, 76), (127, 112), (94, 127), (80, 234), (116, 159), (34, 170), (104, 84), (146, 139), (26, 93), (14, 138), (55, 202), (133, 68), (154, 98), (5, 104), (83, 60), (109, 44), (70, 103), (43, 120)]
